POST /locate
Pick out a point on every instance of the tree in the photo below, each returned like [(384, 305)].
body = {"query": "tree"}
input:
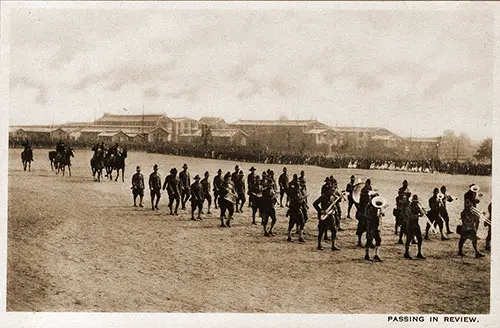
[(485, 150)]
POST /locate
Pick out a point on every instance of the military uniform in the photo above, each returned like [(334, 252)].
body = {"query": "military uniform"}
[(138, 187), (350, 201), (239, 185), (227, 199), (434, 215), (470, 223), (444, 210), (283, 183), (267, 209), (172, 185), (399, 213), (185, 184), (205, 187), (217, 186), (412, 214), (295, 211), (325, 222), (196, 197), (256, 194), (155, 187), (372, 230)]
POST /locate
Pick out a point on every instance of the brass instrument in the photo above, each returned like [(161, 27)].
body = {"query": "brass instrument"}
[(379, 202), (356, 191), (330, 209), (424, 211), (231, 194), (474, 188), (482, 216)]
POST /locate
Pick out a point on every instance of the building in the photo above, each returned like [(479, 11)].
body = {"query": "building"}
[(322, 140), (59, 134), (427, 147), (118, 137), (219, 137), (182, 125), (158, 136), (280, 135), (212, 122)]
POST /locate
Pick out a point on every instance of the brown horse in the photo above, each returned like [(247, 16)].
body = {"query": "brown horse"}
[(63, 160), (27, 158)]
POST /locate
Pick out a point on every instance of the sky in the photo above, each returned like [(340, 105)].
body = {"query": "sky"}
[(416, 73)]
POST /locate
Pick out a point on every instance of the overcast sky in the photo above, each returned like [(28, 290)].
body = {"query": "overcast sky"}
[(420, 72)]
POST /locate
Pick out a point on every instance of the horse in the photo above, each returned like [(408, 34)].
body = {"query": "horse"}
[(52, 158), (63, 160), (27, 158), (96, 163), (119, 164), (109, 163)]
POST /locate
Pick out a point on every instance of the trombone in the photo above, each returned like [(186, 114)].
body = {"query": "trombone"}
[(481, 215), (424, 212)]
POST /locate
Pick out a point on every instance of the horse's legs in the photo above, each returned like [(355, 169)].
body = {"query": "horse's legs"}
[(29, 166), (117, 174), (69, 170)]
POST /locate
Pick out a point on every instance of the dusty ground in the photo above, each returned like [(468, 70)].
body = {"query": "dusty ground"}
[(78, 245)]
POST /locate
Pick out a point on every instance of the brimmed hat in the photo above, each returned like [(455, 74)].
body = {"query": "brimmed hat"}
[(219, 171), (206, 173), (327, 179), (240, 173), (173, 170), (197, 177), (138, 168), (252, 169), (227, 175), (184, 166), (155, 166), (284, 169), (236, 167), (353, 177), (414, 198)]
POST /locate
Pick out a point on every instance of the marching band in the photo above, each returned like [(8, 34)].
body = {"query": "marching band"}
[(263, 196)]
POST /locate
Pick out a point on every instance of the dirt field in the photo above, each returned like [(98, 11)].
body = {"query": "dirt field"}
[(78, 245)]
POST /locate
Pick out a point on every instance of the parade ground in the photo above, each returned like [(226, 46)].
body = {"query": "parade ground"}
[(78, 245)]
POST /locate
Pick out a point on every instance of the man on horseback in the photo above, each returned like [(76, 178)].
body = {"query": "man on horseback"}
[(60, 147), (27, 155)]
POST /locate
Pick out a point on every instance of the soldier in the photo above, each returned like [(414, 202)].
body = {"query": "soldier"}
[(60, 147), (217, 185), (470, 223), (227, 198), (413, 212), (488, 237), (196, 198), (155, 187), (364, 199), (138, 186), (205, 187), (267, 209), (326, 189), (324, 207), (234, 176), (250, 182), (296, 202), (434, 214), (399, 212), (471, 195), (273, 180), (256, 194), (283, 183), (349, 189), (444, 211), (303, 190), (185, 183), (239, 185), (405, 189), (172, 184), (372, 228)]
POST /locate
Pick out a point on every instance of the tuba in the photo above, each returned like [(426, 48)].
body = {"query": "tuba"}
[(231, 194), (356, 191), (475, 188), (379, 202)]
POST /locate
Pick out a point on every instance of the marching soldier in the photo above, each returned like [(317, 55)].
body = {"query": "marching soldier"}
[(234, 176), (196, 198), (444, 211), (349, 189), (399, 213), (405, 189), (172, 185), (434, 214), (471, 195), (267, 209), (138, 186), (217, 186), (303, 190), (295, 212), (413, 212), (155, 187), (325, 208), (372, 217), (205, 187), (250, 183), (326, 189), (185, 183), (488, 237), (239, 185), (470, 223), (227, 198), (255, 192), (283, 184)]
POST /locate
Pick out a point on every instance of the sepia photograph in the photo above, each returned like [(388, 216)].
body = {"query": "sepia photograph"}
[(249, 158)]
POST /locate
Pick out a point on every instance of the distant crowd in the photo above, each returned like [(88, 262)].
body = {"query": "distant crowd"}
[(255, 155)]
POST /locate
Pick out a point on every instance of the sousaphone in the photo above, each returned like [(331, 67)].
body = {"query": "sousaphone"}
[(356, 191)]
